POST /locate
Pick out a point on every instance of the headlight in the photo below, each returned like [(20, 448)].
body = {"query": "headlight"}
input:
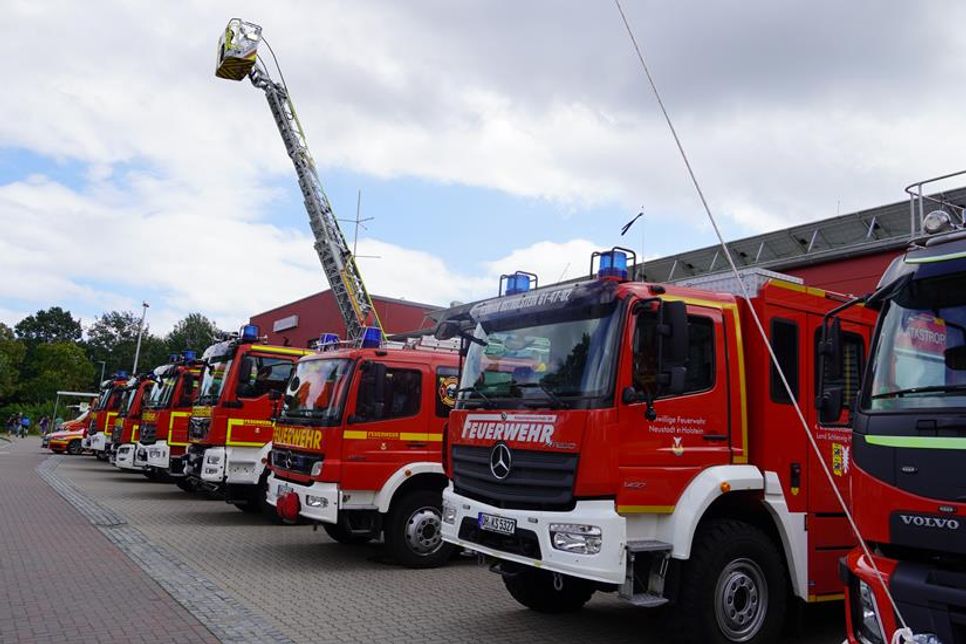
[(316, 501), (449, 512), (316, 468), (868, 627), (576, 538), (213, 459)]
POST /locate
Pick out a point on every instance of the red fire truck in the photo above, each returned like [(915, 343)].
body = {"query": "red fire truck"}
[(907, 457), (101, 424), (632, 437), (128, 422), (164, 419), (357, 446), (230, 429)]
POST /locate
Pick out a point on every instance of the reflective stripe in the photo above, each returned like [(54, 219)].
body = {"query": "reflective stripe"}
[(918, 442), (420, 437), (645, 509), (232, 422), (938, 258), (282, 350)]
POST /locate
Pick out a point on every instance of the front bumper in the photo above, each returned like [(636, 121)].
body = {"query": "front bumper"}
[(124, 458), (932, 599), (233, 465), (58, 445), (324, 497), (158, 455), (98, 442), (533, 537)]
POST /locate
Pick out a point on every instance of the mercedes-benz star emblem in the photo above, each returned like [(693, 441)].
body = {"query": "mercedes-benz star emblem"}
[(500, 460)]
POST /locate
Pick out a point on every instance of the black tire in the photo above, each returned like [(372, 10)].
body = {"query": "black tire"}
[(413, 530), (539, 591), (247, 507), (74, 447), (733, 588), (102, 456), (341, 534), (185, 485)]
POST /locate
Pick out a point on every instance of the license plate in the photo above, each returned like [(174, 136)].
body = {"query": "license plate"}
[(283, 489), (497, 524)]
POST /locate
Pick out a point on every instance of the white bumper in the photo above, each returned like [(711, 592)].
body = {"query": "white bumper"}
[(98, 442), (324, 497), (158, 455), (607, 566), (124, 457), (234, 465)]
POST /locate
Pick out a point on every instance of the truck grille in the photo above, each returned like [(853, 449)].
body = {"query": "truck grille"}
[(149, 433), (293, 461), (536, 481), (198, 428)]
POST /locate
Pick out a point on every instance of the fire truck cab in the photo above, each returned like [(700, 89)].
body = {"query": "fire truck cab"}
[(909, 424), (357, 446), (164, 418), (633, 437), (128, 422), (101, 424), (230, 429)]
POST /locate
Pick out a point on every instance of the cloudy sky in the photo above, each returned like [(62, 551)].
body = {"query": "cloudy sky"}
[(485, 137)]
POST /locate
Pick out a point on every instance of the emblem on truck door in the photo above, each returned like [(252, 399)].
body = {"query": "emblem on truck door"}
[(500, 460)]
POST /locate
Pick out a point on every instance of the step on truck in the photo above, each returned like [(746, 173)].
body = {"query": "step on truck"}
[(101, 424), (909, 439), (127, 425), (231, 424), (164, 419), (357, 446), (622, 436)]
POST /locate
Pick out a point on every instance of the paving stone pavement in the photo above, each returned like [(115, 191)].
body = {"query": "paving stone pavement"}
[(312, 589), (61, 580)]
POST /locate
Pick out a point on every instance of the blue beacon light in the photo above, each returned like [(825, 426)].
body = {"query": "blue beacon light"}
[(516, 283), (328, 339), (249, 332), (613, 265), (372, 338), (189, 355)]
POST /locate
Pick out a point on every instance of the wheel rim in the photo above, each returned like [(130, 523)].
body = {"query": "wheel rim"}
[(423, 534), (741, 600)]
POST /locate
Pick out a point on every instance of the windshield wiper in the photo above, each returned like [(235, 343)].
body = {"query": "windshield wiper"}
[(899, 393), (554, 398), (483, 397)]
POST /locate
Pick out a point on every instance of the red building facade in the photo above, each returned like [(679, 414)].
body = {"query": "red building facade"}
[(302, 321)]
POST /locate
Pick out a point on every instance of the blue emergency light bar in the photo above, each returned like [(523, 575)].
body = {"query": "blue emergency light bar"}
[(613, 263), (249, 333), (121, 374), (327, 339), (518, 282), (371, 338), (189, 355)]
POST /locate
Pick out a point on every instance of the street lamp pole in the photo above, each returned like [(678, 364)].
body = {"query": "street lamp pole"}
[(103, 364), (137, 351)]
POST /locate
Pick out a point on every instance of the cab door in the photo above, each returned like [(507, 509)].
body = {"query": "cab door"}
[(689, 430), (386, 424)]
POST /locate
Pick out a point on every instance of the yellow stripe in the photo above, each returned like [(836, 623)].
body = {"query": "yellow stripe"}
[(645, 509), (733, 308), (245, 421), (425, 438), (834, 597), (284, 350), (355, 435), (421, 437), (799, 288)]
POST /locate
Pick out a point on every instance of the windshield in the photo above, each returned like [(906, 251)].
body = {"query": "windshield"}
[(213, 381), (127, 398), (566, 359), (318, 389), (161, 392), (919, 356)]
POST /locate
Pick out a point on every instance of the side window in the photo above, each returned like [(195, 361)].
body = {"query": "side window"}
[(447, 379), (260, 374), (853, 360), (784, 342), (400, 395), (701, 364)]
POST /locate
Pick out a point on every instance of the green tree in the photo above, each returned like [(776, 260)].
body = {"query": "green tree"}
[(12, 354), (52, 325), (195, 331), (57, 365), (112, 338)]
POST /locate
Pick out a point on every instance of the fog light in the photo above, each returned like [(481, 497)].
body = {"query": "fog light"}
[(316, 469), (449, 512), (213, 459), (211, 470), (316, 501), (576, 538), (869, 628)]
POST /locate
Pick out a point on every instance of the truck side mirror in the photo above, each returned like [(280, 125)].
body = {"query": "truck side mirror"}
[(829, 405), (673, 334), (830, 348), (446, 330), (955, 358)]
